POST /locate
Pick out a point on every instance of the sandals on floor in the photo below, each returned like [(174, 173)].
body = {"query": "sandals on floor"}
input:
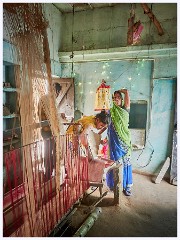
[(127, 191)]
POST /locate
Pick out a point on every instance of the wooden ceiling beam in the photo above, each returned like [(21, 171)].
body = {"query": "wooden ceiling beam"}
[(153, 18)]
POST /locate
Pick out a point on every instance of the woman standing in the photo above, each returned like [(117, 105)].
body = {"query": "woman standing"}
[(120, 139)]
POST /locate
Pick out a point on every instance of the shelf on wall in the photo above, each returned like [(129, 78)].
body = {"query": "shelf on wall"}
[(10, 106), (7, 143), (11, 116), (10, 89)]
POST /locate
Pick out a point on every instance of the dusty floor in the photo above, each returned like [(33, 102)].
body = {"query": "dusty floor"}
[(150, 212)]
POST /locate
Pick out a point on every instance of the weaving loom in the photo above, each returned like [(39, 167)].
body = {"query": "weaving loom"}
[(32, 203), (48, 204), (26, 31)]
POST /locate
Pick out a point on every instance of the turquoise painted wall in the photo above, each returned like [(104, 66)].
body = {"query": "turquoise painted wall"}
[(152, 80), (54, 16), (134, 75)]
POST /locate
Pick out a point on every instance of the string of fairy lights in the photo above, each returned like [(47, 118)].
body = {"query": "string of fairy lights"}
[(103, 71)]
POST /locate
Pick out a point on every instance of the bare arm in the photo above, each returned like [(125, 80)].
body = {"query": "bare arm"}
[(102, 130), (126, 98)]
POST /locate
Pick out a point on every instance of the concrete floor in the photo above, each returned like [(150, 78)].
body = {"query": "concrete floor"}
[(150, 212)]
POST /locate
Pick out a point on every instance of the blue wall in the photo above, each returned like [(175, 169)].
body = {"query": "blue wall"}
[(152, 80), (135, 75)]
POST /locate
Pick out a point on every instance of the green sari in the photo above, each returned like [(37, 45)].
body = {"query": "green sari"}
[(119, 138)]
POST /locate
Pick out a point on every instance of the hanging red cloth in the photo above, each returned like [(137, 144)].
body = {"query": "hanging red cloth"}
[(102, 100), (134, 29), (137, 29)]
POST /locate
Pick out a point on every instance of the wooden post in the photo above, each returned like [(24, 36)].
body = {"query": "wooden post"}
[(117, 173), (163, 171), (150, 14)]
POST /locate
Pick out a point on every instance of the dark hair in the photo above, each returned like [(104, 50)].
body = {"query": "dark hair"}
[(118, 92), (103, 117)]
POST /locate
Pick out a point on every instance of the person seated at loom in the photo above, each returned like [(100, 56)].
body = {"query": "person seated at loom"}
[(49, 142), (87, 124), (83, 132)]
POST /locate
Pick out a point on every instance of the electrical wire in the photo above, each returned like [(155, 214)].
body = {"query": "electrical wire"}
[(72, 39), (150, 158)]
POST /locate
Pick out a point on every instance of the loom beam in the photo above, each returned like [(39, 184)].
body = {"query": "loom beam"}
[(88, 223)]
